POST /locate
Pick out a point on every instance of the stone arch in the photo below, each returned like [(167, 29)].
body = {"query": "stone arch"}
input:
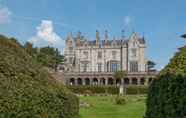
[(79, 81), (102, 81), (87, 81), (110, 81), (142, 81), (126, 81), (95, 81), (72, 81), (118, 81), (134, 81)]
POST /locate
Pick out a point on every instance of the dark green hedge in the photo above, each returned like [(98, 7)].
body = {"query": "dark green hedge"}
[(107, 89), (26, 88), (167, 97)]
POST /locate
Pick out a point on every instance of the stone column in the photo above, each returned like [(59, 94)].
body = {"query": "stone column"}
[(91, 81), (122, 81), (99, 82), (106, 81), (83, 80), (130, 81), (138, 83)]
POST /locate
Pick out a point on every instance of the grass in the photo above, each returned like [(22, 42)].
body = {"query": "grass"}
[(105, 107)]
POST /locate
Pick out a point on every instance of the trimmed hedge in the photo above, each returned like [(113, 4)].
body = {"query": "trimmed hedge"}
[(107, 89), (26, 88), (167, 97)]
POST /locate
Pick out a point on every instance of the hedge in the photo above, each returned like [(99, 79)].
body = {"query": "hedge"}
[(107, 89), (26, 88), (167, 97)]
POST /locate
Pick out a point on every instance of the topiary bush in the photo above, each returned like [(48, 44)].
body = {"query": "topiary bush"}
[(167, 93), (167, 98), (120, 100), (26, 88)]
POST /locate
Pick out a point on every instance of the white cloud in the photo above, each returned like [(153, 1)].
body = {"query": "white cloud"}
[(4, 15), (47, 37), (127, 20)]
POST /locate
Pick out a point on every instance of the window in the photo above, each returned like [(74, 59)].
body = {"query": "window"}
[(71, 60), (85, 67), (99, 55), (70, 50), (134, 66), (99, 67), (134, 52), (85, 54), (114, 54), (114, 67)]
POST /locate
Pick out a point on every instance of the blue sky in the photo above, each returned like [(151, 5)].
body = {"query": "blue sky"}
[(161, 22)]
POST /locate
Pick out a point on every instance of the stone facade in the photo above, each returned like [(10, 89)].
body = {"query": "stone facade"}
[(89, 62)]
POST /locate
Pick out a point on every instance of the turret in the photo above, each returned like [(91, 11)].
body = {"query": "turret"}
[(69, 40), (78, 39), (106, 42), (97, 38)]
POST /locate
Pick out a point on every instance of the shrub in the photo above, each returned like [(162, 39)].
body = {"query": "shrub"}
[(167, 98), (167, 93), (120, 100), (107, 89), (136, 90), (26, 88)]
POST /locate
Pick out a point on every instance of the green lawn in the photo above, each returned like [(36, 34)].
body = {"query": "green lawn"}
[(105, 107)]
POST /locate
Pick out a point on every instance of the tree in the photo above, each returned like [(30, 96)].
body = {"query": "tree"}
[(150, 65), (50, 57), (166, 94), (30, 49), (183, 36), (119, 75)]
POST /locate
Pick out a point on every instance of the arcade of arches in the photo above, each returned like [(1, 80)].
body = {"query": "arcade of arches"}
[(109, 81)]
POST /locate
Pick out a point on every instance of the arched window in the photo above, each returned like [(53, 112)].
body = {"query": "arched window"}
[(79, 81), (95, 81), (142, 81), (87, 81), (110, 81), (102, 81), (72, 81), (134, 81), (126, 81)]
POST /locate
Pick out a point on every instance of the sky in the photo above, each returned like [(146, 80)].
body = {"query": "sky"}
[(48, 22)]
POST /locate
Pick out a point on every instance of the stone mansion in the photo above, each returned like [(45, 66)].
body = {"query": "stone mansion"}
[(93, 62)]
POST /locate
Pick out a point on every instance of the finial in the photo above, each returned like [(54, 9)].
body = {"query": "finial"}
[(97, 35), (123, 33), (79, 35), (106, 34)]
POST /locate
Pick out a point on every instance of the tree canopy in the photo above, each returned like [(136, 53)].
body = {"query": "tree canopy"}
[(119, 74), (177, 64), (166, 96)]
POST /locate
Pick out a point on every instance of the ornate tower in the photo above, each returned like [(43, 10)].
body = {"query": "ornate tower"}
[(69, 52), (97, 38), (106, 42), (69, 40), (78, 40)]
